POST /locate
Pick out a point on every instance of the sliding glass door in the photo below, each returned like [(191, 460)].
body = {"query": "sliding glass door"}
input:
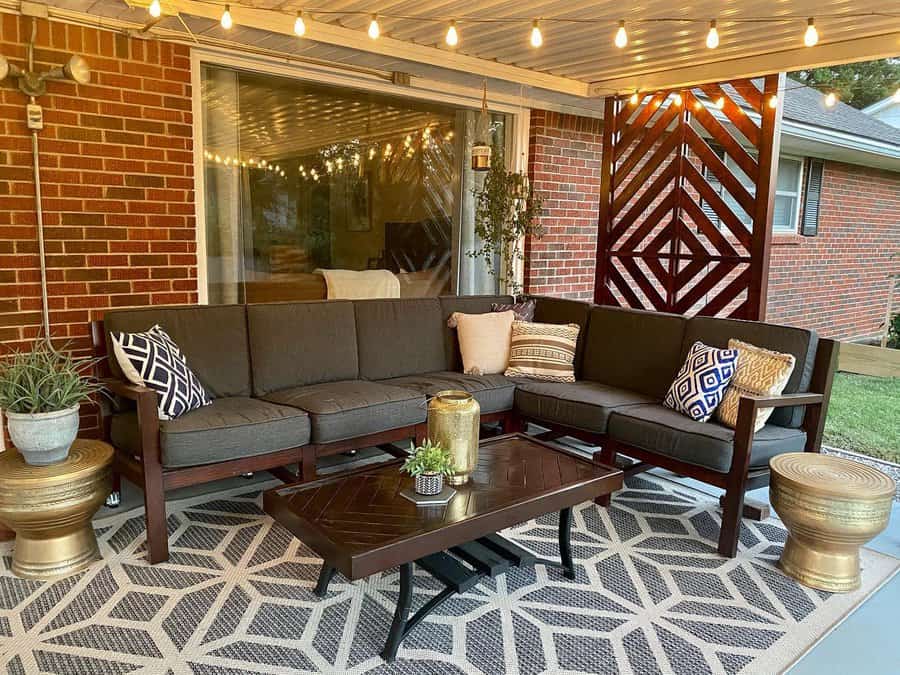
[(301, 177)]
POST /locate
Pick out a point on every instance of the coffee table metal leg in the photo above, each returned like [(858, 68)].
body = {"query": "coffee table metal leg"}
[(325, 575), (565, 543), (398, 625)]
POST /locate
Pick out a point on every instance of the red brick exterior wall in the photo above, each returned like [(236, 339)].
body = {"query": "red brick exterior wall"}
[(117, 179), (564, 165), (835, 283)]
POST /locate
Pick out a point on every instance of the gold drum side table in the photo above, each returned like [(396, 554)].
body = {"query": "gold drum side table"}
[(50, 508), (454, 419), (831, 506)]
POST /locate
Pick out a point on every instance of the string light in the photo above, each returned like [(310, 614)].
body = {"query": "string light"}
[(720, 102), (634, 99), (155, 9), (621, 36), (773, 101), (676, 99), (537, 38), (374, 29), (300, 25), (712, 38), (811, 36), (226, 20), (452, 35), (831, 99)]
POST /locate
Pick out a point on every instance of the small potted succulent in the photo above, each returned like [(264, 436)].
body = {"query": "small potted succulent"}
[(41, 391), (428, 464)]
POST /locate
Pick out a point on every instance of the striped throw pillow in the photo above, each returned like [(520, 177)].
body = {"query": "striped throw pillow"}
[(543, 351)]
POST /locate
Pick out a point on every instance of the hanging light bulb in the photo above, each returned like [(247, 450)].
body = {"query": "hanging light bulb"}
[(720, 102), (773, 101), (155, 9), (537, 38), (676, 99), (299, 25), (712, 37), (621, 39), (831, 99), (374, 28), (811, 36), (634, 99), (226, 20), (452, 35)]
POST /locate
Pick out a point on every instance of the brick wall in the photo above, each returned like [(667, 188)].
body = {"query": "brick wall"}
[(117, 179), (837, 281), (564, 165)]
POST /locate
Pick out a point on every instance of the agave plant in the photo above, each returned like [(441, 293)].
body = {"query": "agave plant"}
[(43, 380)]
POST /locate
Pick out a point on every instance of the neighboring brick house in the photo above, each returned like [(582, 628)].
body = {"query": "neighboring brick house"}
[(844, 239)]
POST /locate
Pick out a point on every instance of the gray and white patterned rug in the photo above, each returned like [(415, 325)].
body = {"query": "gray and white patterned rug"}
[(651, 596)]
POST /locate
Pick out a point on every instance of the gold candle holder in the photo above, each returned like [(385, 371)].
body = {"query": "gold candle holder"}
[(453, 421)]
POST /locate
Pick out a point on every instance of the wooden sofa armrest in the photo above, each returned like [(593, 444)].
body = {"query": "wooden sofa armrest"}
[(133, 392), (780, 401), (147, 416)]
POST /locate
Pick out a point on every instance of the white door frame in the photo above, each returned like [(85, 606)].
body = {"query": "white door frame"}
[(356, 79)]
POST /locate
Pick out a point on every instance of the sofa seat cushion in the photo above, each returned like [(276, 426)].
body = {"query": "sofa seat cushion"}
[(667, 432), (494, 393), (228, 428), (353, 408), (581, 405)]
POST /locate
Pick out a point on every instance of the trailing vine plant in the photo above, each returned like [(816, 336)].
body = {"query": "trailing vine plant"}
[(506, 210)]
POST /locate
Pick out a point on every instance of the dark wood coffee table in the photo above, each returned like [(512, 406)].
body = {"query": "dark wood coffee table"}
[(360, 525)]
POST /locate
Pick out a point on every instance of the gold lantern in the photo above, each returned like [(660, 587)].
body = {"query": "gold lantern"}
[(453, 421)]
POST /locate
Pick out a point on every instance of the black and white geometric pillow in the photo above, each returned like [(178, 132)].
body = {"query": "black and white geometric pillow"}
[(153, 360)]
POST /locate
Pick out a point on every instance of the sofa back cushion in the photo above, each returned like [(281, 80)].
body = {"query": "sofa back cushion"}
[(293, 344), (799, 342), (399, 337), (213, 338), (467, 304), (634, 349), (565, 311)]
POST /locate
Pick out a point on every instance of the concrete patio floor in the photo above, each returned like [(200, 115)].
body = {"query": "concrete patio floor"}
[(865, 643)]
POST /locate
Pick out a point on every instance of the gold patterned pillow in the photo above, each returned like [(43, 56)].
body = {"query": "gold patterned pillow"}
[(543, 351), (760, 372)]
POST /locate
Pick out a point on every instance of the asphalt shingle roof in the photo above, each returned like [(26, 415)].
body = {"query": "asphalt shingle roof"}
[(807, 106)]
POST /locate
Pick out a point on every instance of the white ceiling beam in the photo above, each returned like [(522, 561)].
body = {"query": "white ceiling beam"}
[(327, 33), (831, 53)]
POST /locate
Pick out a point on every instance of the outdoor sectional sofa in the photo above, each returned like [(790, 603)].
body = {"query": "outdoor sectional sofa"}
[(299, 380)]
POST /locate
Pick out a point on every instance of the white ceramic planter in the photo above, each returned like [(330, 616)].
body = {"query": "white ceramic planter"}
[(429, 484), (43, 438)]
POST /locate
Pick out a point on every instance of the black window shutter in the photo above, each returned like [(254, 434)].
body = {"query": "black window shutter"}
[(810, 224)]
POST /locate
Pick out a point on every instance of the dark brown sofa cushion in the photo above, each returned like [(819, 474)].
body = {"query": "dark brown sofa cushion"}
[(299, 343), (667, 432), (494, 393), (582, 405), (562, 311), (797, 341), (399, 337), (213, 338), (229, 428), (349, 409), (633, 349), (467, 304)]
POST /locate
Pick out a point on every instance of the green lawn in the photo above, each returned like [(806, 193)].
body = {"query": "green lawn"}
[(864, 415)]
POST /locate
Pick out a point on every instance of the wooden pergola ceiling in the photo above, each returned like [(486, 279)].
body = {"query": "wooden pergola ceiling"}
[(581, 59)]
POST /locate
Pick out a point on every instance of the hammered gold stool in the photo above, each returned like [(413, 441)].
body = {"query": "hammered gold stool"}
[(50, 508), (831, 506)]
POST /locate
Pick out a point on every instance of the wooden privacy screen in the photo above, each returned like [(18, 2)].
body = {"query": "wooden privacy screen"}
[(687, 188)]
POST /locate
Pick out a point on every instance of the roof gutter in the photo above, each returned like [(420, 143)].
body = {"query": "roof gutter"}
[(840, 139)]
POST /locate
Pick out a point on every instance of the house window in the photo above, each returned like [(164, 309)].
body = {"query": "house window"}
[(301, 176), (788, 184)]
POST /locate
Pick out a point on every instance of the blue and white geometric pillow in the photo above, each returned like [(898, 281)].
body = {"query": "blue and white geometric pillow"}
[(701, 383), (153, 360)]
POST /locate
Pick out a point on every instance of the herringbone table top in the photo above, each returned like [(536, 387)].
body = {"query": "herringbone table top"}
[(359, 523)]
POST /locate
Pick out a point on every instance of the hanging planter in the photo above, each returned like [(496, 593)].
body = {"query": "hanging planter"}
[(481, 150)]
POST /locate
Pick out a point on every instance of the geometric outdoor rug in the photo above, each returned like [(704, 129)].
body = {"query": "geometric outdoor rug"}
[(651, 596)]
